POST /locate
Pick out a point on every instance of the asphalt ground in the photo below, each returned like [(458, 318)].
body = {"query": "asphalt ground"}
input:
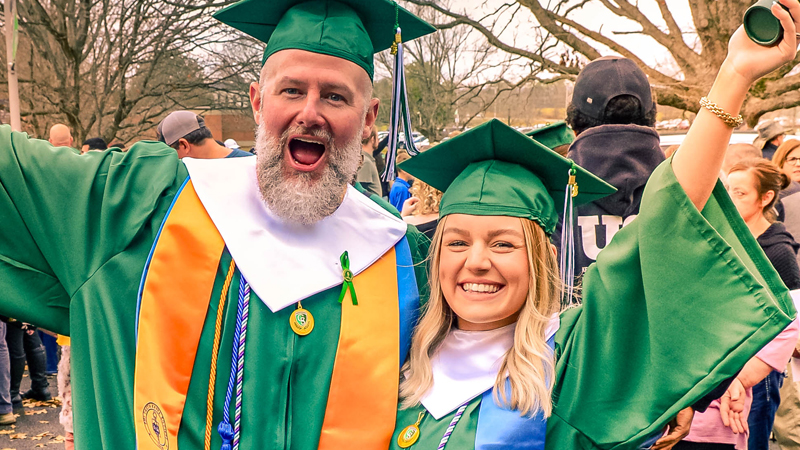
[(37, 423)]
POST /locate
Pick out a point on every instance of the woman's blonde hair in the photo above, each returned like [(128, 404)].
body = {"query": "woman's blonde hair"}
[(429, 198), (779, 158), (528, 365)]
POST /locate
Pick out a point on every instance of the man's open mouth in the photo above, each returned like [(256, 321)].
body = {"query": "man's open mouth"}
[(306, 152)]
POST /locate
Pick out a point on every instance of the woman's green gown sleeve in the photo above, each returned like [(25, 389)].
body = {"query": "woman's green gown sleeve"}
[(675, 304)]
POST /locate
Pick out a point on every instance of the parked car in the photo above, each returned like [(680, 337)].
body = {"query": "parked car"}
[(738, 137), (419, 139)]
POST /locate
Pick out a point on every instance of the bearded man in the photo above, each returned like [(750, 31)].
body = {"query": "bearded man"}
[(255, 303)]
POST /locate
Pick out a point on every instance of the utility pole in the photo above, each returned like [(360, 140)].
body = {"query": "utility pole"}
[(11, 56)]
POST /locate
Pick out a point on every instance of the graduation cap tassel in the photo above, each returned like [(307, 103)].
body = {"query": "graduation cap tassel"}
[(567, 266), (391, 148), (400, 114)]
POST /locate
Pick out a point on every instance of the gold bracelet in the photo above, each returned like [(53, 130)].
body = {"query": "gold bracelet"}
[(731, 121)]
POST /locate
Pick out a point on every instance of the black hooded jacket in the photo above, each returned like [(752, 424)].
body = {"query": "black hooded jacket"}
[(781, 250), (624, 156)]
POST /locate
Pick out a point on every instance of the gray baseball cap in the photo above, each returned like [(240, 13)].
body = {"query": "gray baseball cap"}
[(767, 132), (606, 78), (177, 125)]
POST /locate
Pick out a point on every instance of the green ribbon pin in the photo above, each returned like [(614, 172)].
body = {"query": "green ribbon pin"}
[(348, 279)]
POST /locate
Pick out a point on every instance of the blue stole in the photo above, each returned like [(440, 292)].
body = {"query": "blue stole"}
[(407, 296), (502, 428)]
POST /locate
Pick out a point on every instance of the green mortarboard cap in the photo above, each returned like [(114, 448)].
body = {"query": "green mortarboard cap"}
[(553, 135), (349, 29), (494, 170)]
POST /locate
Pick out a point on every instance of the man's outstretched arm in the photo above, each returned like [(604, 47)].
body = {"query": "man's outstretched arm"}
[(63, 215)]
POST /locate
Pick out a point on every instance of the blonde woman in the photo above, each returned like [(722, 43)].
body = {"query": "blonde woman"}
[(494, 366), (787, 158)]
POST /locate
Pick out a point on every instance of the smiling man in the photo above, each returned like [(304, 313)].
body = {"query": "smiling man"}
[(260, 303)]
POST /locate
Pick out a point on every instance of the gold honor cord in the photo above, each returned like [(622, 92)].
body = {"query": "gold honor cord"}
[(212, 376)]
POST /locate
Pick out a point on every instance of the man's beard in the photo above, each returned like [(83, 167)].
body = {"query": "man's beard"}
[(305, 197)]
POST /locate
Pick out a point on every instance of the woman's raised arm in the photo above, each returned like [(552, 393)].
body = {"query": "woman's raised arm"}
[(699, 159)]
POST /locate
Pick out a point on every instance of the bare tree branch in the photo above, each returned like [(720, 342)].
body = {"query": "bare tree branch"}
[(564, 44), (112, 68)]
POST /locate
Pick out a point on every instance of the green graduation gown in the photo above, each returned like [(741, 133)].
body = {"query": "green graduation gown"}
[(75, 232), (678, 302)]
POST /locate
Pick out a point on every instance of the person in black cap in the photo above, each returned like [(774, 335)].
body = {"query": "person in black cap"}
[(187, 133), (613, 115)]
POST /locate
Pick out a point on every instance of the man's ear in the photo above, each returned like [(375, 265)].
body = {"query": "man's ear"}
[(554, 250), (372, 115), (255, 101), (184, 148)]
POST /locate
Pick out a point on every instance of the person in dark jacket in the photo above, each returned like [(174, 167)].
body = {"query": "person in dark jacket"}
[(754, 185), (613, 116), (770, 137), (380, 163)]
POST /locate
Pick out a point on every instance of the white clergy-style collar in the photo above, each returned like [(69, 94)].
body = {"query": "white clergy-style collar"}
[(286, 262), (466, 365)]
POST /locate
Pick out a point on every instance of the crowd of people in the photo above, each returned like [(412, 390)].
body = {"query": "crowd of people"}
[(574, 288)]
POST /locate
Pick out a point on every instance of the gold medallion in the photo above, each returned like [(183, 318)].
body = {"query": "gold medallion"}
[(301, 321), (410, 434)]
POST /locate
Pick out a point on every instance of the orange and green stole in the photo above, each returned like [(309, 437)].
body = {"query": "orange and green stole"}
[(374, 335)]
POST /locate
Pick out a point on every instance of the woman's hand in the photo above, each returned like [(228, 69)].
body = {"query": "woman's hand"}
[(731, 407), (697, 163), (409, 206), (752, 61)]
